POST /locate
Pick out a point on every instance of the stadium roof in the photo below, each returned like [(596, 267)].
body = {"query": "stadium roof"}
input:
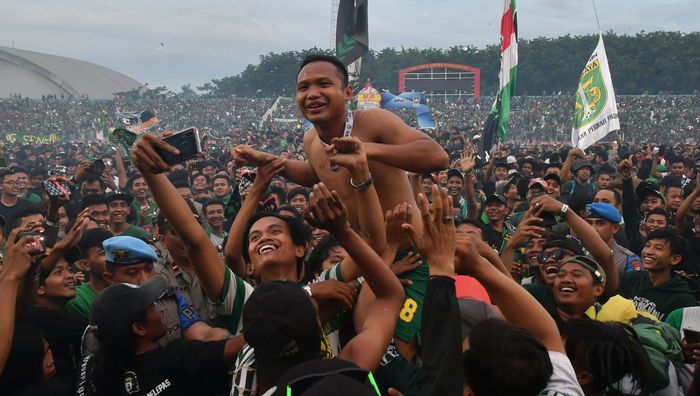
[(33, 74)]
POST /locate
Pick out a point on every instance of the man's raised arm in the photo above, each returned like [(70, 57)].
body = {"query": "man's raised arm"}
[(299, 172)]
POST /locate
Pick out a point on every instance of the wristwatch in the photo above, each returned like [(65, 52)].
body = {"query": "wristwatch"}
[(307, 289), (50, 223), (564, 209), (364, 185)]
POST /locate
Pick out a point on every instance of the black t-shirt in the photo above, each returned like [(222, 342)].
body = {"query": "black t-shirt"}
[(183, 367), (493, 237), (8, 211), (63, 331)]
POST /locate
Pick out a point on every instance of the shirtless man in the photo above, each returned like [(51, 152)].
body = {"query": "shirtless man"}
[(391, 146)]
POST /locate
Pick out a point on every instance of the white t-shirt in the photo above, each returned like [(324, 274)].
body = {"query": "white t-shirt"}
[(563, 381)]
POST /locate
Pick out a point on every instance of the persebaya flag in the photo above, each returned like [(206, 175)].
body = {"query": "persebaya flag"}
[(351, 36), (595, 114), (509, 67)]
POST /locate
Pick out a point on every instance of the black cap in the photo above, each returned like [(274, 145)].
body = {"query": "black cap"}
[(336, 377), (552, 176), (118, 306), (280, 322), (454, 173), (645, 189), (582, 164), (496, 197), (119, 196)]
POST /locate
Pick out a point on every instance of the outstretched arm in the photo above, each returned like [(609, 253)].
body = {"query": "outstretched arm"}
[(206, 261), (373, 336), (299, 172), (588, 236), (398, 145)]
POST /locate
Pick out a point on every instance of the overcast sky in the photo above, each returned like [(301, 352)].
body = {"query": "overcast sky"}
[(206, 39)]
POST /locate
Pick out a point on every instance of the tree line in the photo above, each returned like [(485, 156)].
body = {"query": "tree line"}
[(648, 62)]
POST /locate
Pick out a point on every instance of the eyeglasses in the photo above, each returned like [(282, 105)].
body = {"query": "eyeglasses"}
[(301, 385), (556, 255), (12, 182)]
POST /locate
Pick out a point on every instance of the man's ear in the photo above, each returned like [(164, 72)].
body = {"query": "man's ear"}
[(676, 259), (138, 329), (82, 265), (598, 290)]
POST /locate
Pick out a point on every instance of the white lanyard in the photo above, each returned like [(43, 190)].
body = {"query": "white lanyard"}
[(347, 131)]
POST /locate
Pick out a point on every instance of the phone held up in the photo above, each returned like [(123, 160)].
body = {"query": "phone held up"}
[(57, 188), (187, 141)]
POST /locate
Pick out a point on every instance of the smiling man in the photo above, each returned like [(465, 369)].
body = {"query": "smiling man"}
[(214, 215), (119, 205), (658, 290)]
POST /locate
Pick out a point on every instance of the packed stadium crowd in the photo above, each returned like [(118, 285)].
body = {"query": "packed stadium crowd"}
[(538, 118), (361, 257)]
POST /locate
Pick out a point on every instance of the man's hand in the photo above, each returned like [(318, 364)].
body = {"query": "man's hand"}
[(335, 292), (327, 211), (467, 161), (76, 232), (437, 245), (145, 157), (16, 261), (394, 221), (81, 171), (691, 351), (468, 253), (349, 153), (266, 172), (625, 167), (576, 153), (108, 180), (245, 155), (525, 231), (547, 204), (410, 262)]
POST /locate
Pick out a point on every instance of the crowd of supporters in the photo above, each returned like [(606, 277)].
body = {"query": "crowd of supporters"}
[(380, 262)]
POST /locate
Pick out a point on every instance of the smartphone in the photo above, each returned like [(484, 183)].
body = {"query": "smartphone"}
[(187, 141), (36, 246), (691, 336), (56, 188), (97, 167)]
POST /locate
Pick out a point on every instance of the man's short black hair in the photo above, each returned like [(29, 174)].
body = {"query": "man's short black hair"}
[(213, 179), (213, 201), (504, 359), (330, 59), (20, 169), (671, 181), (5, 172), (618, 196), (677, 243), (16, 218), (658, 211)]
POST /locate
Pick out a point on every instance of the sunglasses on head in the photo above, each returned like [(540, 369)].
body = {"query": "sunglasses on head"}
[(301, 385), (555, 254)]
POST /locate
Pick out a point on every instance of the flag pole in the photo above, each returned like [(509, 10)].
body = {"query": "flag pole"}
[(595, 10)]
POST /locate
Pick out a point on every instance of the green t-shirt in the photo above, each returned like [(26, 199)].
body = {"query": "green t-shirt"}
[(81, 303), (31, 197), (136, 232), (658, 300)]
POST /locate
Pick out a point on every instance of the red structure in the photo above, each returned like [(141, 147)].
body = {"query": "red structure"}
[(439, 78)]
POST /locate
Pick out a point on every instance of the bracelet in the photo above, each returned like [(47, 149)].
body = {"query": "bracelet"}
[(564, 209), (364, 185), (307, 289)]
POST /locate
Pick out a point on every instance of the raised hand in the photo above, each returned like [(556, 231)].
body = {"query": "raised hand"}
[(267, 171), (76, 232), (437, 245), (468, 160), (394, 221), (16, 261), (625, 167), (145, 157), (245, 155), (349, 153), (526, 230), (327, 211), (334, 291), (544, 204)]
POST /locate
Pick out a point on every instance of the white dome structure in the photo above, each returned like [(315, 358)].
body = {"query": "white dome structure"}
[(33, 74)]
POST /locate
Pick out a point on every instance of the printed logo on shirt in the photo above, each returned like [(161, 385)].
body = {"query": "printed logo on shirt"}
[(645, 305), (159, 388), (131, 383)]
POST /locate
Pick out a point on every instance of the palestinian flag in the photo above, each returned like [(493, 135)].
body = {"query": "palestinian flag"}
[(509, 67)]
